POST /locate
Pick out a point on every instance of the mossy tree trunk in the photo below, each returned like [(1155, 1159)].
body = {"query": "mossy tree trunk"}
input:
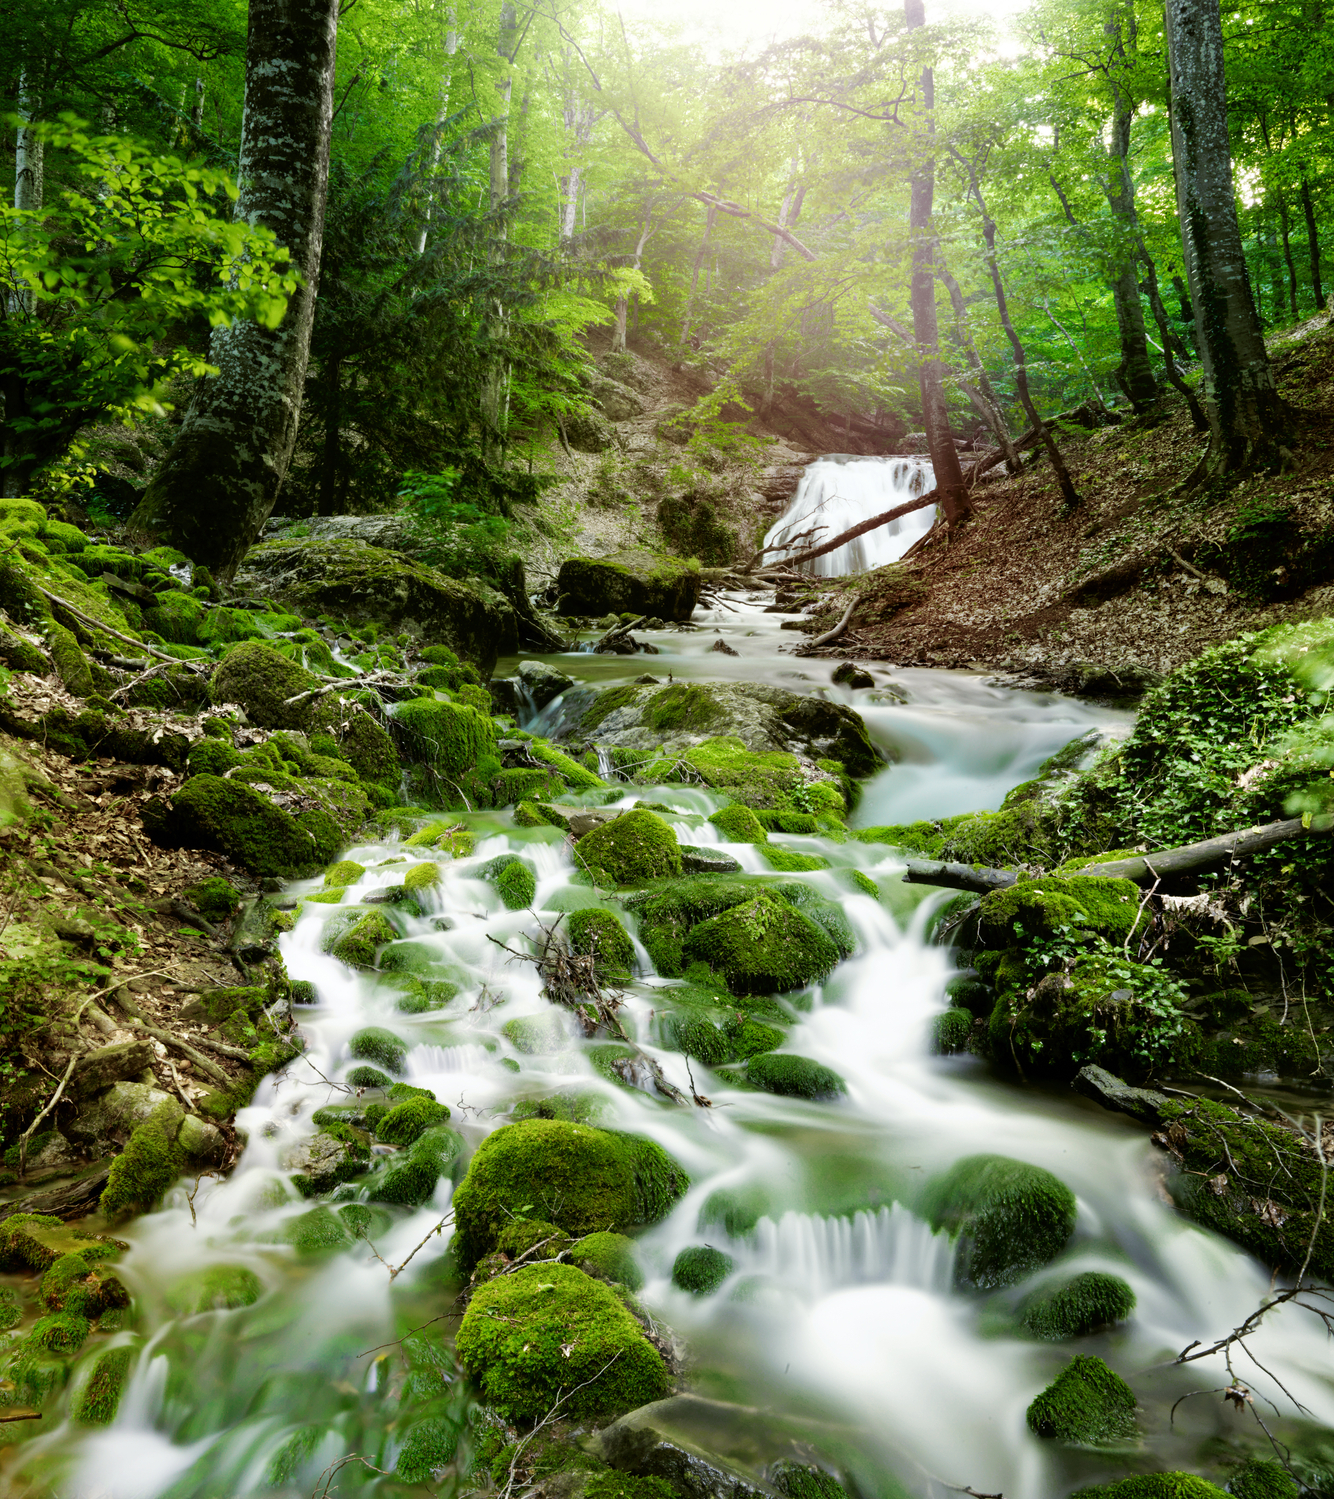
[(955, 500), (1247, 420), (212, 493)]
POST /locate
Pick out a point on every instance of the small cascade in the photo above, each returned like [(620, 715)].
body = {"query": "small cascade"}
[(816, 1255), (836, 493)]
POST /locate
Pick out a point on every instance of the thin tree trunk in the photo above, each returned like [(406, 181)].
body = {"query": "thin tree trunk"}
[(1170, 340), (622, 302), (694, 275), (1068, 491), (1247, 421), (981, 393), (1284, 228), (197, 109), (1313, 242), (29, 163), (216, 487), (333, 375), (496, 387), (955, 500), (442, 113)]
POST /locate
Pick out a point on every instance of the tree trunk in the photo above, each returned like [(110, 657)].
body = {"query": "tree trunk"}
[(955, 500), (1247, 420), (1284, 228), (1313, 241), (216, 487), (694, 275), (29, 164), (442, 113), (1135, 373), (1171, 344), (332, 458), (981, 392), (495, 390)]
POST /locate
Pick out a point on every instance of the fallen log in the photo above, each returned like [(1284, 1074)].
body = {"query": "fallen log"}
[(811, 553), (1143, 869), (75, 1199)]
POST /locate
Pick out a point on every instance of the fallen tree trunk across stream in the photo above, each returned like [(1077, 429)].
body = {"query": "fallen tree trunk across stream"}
[(1143, 869)]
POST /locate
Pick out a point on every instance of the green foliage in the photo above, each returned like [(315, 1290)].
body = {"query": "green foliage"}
[(461, 538)]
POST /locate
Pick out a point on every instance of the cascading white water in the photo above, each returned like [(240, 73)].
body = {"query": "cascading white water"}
[(840, 490), (839, 1318)]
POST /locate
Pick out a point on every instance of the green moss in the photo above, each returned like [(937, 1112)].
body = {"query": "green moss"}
[(537, 1035), (513, 878), (1155, 1486), (1010, 1218), (215, 898), (416, 996), (582, 1179), (359, 946), (409, 1120), (442, 742), (738, 824), (234, 819), (70, 662), (550, 1330), (608, 1257), (217, 1288), (411, 1182), (701, 1269), (359, 740), (1041, 907), (598, 932), (736, 1210), (177, 617), (794, 1077), (367, 1077), (1076, 1307), (61, 1333), (1261, 1478), (99, 1397), (798, 1481), (375, 1044), (149, 1164), (788, 861), (950, 1031), (315, 1232), (632, 849), (762, 946), (81, 1284), (346, 872), (605, 704), (261, 679), (1086, 1403), (585, 1107)]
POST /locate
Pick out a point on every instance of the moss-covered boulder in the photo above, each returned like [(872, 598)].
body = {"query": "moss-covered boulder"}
[(246, 826), (149, 1164), (369, 585), (375, 1044), (763, 946), (406, 1122), (1173, 1485), (950, 1031), (215, 1288), (1086, 1403), (513, 878), (630, 850), (538, 1334), (98, 1397), (410, 1178), (1076, 1307), (701, 1269), (1009, 1218), (598, 934), (1041, 907), (359, 946), (738, 824), (794, 1077), (637, 582), (83, 1284), (582, 1179), (261, 679), (609, 1257)]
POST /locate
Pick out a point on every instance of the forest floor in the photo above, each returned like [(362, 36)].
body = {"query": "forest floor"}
[(1137, 579)]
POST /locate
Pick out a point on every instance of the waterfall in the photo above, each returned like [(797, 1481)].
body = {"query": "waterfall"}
[(838, 491)]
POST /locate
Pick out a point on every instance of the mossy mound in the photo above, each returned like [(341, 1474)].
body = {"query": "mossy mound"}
[(736, 1210), (1010, 1218), (950, 1031), (630, 850), (242, 823), (1076, 1307), (367, 1077), (609, 1257), (150, 1163), (375, 1044), (584, 1180), (738, 824), (261, 679), (514, 879), (1261, 1478), (409, 1120), (635, 582), (794, 1077), (1086, 1403), (315, 1232), (217, 1288), (346, 872), (701, 1269), (80, 1283), (540, 1333), (99, 1396), (1041, 907), (1154, 1486), (411, 1178), (445, 741), (763, 946), (359, 945), (597, 933)]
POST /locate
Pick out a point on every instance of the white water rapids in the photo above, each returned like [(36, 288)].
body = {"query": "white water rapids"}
[(840, 491), (838, 1323)]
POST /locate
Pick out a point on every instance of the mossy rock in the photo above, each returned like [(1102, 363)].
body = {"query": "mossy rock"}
[(796, 1480), (597, 933), (367, 1077), (61, 1333), (1010, 1218), (261, 679), (630, 850), (537, 1035), (635, 582), (422, 877), (738, 824), (768, 779), (80, 1283), (1077, 1307), (317, 1232), (609, 1257), (763, 946), (99, 1395), (701, 1269), (950, 1031), (540, 1333), (35, 1241), (346, 872), (243, 824), (409, 1120), (410, 1180), (150, 1163), (794, 1077), (1109, 907), (1261, 1478), (736, 1210), (216, 1288), (584, 1180), (359, 946), (418, 996), (513, 878), (1085, 1404), (1154, 1486), (375, 1044), (789, 861)]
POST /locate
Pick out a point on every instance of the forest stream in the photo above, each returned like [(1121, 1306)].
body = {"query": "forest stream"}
[(836, 1330)]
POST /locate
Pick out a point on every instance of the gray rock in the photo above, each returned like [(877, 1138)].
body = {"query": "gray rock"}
[(397, 533), (201, 1141), (543, 682), (112, 1115), (852, 675), (98, 1069), (320, 1163), (507, 697), (590, 433), (55, 1152), (1144, 1104), (618, 402), (647, 1443), (695, 860)]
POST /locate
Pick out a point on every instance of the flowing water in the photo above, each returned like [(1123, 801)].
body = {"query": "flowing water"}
[(842, 489), (838, 1332)]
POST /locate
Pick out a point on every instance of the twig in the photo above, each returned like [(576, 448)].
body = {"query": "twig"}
[(550, 1416), (396, 1270), (335, 1468), (23, 1416), (832, 635)]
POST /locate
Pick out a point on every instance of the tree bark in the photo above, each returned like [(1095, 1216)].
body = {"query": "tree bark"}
[(700, 255), (442, 112), (1171, 343), (1313, 242), (216, 487), (1247, 420), (1284, 228), (981, 393), (495, 390), (955, 501)]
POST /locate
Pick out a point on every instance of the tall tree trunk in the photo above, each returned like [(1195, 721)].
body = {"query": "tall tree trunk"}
[(955, 500), (1313, 241), (216, 487), (980, 392), (29, 164), (442, 113), (622, 302), (1284, 228), (694, 275), (1172, 345), (1063, 478), (495, 390), (1247, 420), (333, 447), (197, 109)]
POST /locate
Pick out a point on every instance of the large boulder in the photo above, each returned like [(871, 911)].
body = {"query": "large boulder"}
[(636, 581), (361, 584), (247, 826), (261, 680)]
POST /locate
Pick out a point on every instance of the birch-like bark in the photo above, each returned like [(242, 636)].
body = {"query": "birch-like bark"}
[(495, 390), (1247, 420), (29, 161), (955, 500), (216, 487), (441, 114)]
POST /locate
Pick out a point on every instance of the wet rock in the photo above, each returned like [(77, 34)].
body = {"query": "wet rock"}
[(648, 1443), (850, 675), (1144, 1104), (113, 1115), (320, 1163), (543, 682), (201, 1141), (1087, 1402), (696, 860), (636, 581), (98, 1070), (723, 649)]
